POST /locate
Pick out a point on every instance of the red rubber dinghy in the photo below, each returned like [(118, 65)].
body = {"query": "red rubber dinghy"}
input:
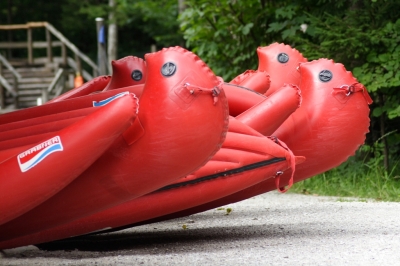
[(332, 100), (181, 123), (329, 126), (245, 159), (42, 170)]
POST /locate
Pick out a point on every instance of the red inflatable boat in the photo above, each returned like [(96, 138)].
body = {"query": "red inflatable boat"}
[(42, 170), (332, 99), (181, 123), (245, 159), (317, 122), (328, 127)]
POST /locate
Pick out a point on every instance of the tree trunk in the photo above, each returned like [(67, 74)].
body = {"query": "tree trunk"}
[(382, 131), (112, 44), (181, 5), (181, 8)]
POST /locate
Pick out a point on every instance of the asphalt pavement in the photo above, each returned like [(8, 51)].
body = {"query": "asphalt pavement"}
[(270, 229)]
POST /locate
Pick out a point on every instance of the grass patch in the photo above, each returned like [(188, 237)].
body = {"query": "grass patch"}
[(355, 179)]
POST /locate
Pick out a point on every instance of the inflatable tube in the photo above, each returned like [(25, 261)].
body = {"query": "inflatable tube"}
[(329, 127), (281, 62), (130, 71), (22, 136), (240, 98), (127, 71), (37, 173), (257, 80), (27, 126), (242, 93), (181, 124), (95, 85), (278, 107), (246, 158), (278, 65), (52, 111)]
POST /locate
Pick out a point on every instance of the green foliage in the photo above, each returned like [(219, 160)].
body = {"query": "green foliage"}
[(141, 23), (380, 72), (361, 176), (226, 34), (355, 178), (164, 27), (361, 34)]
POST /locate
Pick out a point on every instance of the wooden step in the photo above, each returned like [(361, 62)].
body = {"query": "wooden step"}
[(21, 62), (47, 80), (32, 86), (33, 79), (8, 108), (30, 92), (29, 74)]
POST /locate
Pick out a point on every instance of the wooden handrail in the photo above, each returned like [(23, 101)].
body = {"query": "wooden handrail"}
[(53, 83), (15, 74), (7, 85), (64, 41), (72, 63), (23, 26), (5, 63), (78, 61), (71, 46)]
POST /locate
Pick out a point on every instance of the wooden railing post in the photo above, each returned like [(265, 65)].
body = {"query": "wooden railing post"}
[(30, 45), (49, 46), (2, 102), (16, 99), (45, 95), (78, 64), (53, 39), (64, 54)]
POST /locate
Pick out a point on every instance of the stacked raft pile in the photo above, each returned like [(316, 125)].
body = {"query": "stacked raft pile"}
[(164, 137)]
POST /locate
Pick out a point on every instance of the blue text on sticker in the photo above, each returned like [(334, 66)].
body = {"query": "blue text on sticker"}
[(108, 100), (36, 154)]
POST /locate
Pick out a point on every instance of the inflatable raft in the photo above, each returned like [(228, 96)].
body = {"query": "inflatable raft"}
[(329, 126), (42, 170), (309, 106), (176, 131)]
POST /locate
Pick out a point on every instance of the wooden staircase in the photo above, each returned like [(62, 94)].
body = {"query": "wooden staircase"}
[(30, 81), (34, 79)]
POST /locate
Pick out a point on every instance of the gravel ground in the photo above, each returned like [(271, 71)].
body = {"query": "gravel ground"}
[(270, 229)]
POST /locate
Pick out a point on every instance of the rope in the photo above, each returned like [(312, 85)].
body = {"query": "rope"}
[(278, 174), (355, 87), (215, 91)]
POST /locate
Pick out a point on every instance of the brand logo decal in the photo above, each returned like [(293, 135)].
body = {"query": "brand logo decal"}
[(325, 75), (137, 75), (168, 69), (283, 58), (32, 157), (108, 100)]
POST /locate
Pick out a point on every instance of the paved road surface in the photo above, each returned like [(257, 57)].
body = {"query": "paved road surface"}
[(271, 229)]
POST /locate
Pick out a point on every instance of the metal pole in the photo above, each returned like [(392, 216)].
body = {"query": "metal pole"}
[(30, 46), (112, 34), (101, 47)]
